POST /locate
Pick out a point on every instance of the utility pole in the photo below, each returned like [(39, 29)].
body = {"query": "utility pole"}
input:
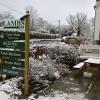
[(78, 31), (99, 39), (59, 28), (26, 70)]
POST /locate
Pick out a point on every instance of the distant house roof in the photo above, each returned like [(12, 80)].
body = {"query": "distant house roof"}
[(97, 0), (93, 60)]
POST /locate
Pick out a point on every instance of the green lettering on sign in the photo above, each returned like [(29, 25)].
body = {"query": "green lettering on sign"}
[(8, 53), (13, 45), (12, 51), (11, 35), (8, 70), (12, 61)]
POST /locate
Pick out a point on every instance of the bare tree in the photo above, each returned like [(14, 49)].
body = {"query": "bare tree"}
[(92, 21), (42, 24), (36, 22), (6, 15), (77, 23)]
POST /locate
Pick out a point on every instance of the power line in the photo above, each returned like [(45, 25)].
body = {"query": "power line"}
[(10, 8), (27, 2), (14, 4)]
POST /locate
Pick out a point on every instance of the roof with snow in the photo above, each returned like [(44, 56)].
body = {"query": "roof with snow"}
[(93, 61)]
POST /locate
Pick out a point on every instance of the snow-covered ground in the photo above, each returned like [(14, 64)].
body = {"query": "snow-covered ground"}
[(70, 91), (59, 95), (38, 68), (4, 96), (8, 89)]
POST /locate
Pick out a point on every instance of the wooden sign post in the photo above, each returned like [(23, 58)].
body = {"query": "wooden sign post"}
[(26, 71)]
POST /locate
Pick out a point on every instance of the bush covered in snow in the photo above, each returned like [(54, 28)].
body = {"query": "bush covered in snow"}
[(41, 68), (57, 54), (63, 53)]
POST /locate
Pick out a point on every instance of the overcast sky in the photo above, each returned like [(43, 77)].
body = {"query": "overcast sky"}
[(50, 10)]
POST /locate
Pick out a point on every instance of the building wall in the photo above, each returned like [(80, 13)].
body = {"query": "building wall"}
[(97, 21)]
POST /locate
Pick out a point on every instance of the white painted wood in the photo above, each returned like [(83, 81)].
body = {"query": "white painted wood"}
[(93, 60), (80, 65)]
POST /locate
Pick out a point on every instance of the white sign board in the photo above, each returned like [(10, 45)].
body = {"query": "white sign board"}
[(11, 23), (88, 51)]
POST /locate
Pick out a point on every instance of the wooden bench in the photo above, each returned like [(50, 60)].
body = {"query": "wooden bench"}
[(83, 65)]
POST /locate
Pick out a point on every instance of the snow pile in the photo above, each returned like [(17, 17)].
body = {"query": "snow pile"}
[(4, 96), (10, 87)]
